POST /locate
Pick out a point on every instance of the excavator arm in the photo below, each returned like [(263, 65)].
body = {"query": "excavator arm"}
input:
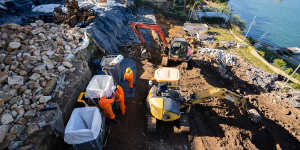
[(238, 100), (154, 27), (205, 95)]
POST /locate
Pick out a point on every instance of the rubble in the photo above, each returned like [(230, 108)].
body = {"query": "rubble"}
[(228, 44), (261, 78), (32, 59), (74, 15), (226, 61)]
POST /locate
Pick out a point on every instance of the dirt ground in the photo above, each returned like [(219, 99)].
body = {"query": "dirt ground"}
[(215, 124)]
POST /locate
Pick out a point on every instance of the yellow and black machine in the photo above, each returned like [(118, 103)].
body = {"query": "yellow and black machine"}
[(165, 102)]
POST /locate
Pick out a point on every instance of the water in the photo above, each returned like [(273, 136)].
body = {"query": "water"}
[(277, 21)]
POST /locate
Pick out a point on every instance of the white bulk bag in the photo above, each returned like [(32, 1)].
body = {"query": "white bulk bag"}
[(84, 125), (99, 86)]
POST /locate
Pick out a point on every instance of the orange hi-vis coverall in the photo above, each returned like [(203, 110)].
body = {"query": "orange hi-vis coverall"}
[(128, 75), (120, 99), (105, 105)]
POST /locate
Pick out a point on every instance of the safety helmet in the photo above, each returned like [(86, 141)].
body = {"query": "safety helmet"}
[(128, 70)]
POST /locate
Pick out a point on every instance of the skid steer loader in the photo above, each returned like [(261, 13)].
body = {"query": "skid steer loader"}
[(165, 103)]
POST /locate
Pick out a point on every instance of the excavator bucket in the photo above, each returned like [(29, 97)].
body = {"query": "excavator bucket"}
[(254, 115)]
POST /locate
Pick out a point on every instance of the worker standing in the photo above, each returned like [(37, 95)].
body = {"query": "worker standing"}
[(106, 105), (120, 99), (128, 76)]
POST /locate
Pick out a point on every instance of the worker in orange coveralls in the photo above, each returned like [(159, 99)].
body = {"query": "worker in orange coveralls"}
[(120, 99), (128, 75), (106, 105)]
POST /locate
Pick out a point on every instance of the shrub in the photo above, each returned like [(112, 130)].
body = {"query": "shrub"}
[(288, 71), (295, 86), (269, 56), (261, 53), (296, 76), (279, 63)]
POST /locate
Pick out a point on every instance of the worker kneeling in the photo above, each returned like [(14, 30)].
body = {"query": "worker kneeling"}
[(128, 76), (106, 105), (120, 99)]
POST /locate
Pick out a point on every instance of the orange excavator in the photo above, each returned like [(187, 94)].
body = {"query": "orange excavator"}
[(178, 50)]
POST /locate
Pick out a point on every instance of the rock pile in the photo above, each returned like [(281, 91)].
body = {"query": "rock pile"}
[(75, 14), (33, 58), (227, 44), (226, 61), (224, 58), (261, 78)]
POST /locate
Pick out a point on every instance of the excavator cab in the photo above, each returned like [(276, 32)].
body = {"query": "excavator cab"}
[(180, 50)]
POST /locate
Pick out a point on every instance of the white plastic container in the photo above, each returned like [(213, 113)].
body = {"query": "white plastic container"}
[(99, 86)]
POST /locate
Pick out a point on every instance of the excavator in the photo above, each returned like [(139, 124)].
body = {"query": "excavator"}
[(165, 103), (177, 50)]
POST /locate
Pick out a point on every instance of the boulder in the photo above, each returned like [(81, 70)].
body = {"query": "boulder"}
[(40, 69), (14, 45), (45, 99), (61, 68), (3, 132), (67, 64), (35, 76), (49, 86), (3, 77), (49, 64), (16, 80), (30, 113), (6, 118), (32, 128), (17, 129)]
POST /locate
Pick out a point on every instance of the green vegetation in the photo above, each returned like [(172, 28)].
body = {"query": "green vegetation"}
[(280, 63), (223, 34), (295, 86), (288, 71), (261, 53)]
